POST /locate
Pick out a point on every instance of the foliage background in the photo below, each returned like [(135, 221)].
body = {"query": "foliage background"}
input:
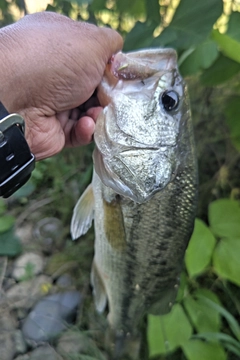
[(204, 323)]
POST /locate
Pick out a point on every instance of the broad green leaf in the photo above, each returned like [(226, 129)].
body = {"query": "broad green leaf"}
[(200, 249), (199, 350), (232, 322), (140, 36), (221, 70), (233, 119), (202, 57), (191, 23), (9, 244), (228, 341), (6, 223), (198, 311), (165, 333), (224, 218), (228, 46), (233, 26), (153, 11), (226, 261)]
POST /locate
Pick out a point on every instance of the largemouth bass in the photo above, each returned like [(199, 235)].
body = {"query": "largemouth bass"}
[(144, 188)]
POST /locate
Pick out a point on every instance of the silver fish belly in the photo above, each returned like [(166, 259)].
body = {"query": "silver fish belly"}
[(144, 190)]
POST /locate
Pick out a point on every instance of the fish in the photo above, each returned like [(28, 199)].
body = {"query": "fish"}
[(143, 195)]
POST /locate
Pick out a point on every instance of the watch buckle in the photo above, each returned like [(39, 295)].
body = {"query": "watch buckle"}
[(10, 120)]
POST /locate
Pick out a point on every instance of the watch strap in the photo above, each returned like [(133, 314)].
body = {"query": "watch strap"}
[(16, 160)]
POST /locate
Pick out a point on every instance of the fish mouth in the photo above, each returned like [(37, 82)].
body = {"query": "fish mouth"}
[(137, 173)]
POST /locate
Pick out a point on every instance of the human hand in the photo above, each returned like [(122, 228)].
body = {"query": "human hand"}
[(50, 65)]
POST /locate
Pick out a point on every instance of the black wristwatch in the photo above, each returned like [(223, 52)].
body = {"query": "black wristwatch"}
[(16, 160)]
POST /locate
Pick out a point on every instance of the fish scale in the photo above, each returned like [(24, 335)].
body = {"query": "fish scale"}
[(143, 195)]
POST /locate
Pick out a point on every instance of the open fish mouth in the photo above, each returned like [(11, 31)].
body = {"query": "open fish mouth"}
[(137, 173)]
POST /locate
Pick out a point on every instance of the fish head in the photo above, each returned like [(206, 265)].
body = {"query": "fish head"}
[(137, 134)]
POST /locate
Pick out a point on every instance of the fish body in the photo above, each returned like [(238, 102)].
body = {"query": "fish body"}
[(144, 189)]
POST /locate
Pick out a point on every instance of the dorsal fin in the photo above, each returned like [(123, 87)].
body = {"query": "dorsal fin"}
[(83, 214)]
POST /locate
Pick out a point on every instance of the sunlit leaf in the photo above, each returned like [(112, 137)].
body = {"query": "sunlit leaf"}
[(199, 350), (200, 248), (233, 26), (229, 46), (232, 322), (226, 260), (198, 311), (221, 70), (191, 23), (139, 37), (6, 223), (233, 119), (227, 341), (165, 333), (224, 218), (202, 57), (9, 244)]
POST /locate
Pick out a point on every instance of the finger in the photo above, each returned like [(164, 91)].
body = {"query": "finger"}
[(82, 132), (94, 112)]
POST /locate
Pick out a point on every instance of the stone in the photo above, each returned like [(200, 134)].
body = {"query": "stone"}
[(50, 316), (7, 346), (64, 281), (22, 357), (73, 343), (45, 352), (20, 343), (27, 266), (25, 294)]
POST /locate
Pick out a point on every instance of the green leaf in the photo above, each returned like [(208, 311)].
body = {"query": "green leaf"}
[(153, 11), (6, 222), (232, 322), (228, 46), (233, 120), (228, 341), (2, 207), (198, 311), (200, 249), (222, 70), (224, 218), (233, 26), (9, 244), (202, 57), (191, 23), (165, 333), (140, 36), (199, 350), (226, 261), (133, 7)]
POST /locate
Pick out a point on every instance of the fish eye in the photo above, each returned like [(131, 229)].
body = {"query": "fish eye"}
[(170, 100)]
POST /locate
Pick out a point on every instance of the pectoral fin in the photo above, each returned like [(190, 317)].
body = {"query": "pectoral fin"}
[(99, 292), (83, 214)]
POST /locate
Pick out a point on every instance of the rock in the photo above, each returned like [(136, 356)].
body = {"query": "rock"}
[(25, 294), (72, 343), (50, 316), (7, 345), (27, 266), (22, 357), (20, 344), (7, 320), (44, 353), (64, 281), (49, 233)]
